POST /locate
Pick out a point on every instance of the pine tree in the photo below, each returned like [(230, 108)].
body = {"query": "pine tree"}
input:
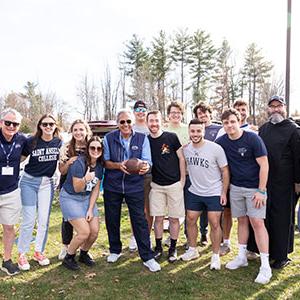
[(180, 54), (160, 65), (202, 63), (257, 72)]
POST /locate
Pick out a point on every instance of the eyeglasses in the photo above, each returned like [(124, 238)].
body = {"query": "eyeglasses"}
[(275, 106), (46, 124), (9, 123), (175, 113), (122, 122), (140, 109), (93, 148)]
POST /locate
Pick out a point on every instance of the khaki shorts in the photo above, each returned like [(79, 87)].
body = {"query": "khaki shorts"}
[(167, 200), (10, 207)]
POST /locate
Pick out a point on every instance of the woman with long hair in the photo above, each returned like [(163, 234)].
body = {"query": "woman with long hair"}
[(69, 152), (37, 190), (78, 197)]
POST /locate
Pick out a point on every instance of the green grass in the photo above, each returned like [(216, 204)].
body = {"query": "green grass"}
[(129, 279)]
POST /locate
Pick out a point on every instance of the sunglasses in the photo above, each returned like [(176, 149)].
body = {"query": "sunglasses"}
[(140, 109), (9, 123), (45, 124), (93, 148), (122, 122)]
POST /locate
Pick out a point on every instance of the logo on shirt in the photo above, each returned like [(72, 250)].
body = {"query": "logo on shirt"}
[(165, 149), (242, 151), (134, 147)]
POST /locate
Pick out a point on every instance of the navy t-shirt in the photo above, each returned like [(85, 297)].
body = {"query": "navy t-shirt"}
[(165, 169), (78, 170), (16, 147), (43, 158), (241, 155), (211, 132)]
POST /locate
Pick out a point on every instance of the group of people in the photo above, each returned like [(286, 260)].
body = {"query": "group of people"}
[(202, 169)]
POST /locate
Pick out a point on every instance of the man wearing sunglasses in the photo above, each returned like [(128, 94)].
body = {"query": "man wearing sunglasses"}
[(282, 139), (119, 146), (12, 146)]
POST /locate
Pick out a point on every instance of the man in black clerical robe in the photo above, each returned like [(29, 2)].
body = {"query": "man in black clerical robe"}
[(282, 139)]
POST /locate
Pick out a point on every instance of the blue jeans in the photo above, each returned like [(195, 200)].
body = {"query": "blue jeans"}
[(135, 202), (36, 195)]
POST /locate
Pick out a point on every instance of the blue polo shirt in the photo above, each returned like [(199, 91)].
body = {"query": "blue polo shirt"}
[(16, 147), (43, 157)]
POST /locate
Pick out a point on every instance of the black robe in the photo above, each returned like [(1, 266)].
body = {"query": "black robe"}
[(283, 145)]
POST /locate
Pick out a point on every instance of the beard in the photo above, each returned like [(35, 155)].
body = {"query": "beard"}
[(198, 141), (276, 118)]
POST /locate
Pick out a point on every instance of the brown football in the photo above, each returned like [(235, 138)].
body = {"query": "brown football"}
[(134, 165)]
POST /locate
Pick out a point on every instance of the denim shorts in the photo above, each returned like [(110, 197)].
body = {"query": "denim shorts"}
[(75, 206), (200, 203)]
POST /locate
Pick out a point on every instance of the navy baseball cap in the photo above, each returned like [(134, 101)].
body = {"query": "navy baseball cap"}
[(276, 98)]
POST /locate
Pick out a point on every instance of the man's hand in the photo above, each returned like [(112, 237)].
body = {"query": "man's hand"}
[(259, 200), (223, 199), (145, 168), (123, 168)]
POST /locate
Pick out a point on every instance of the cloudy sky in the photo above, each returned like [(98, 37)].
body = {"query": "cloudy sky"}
[(55, 42)]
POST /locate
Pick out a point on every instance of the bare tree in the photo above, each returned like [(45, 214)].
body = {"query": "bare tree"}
[(87, 93), (110, 94)]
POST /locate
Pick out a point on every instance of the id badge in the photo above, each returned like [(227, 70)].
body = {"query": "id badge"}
[(7, 171)]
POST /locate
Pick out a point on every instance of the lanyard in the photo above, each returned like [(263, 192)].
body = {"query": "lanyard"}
[(10, 151)]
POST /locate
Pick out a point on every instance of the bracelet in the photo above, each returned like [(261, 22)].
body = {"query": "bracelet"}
[(263, 192)]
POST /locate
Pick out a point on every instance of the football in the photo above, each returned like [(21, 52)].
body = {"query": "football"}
[(134, 165)]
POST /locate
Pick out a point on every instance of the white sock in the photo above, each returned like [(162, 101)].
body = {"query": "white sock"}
[(226, 242), (264, 259), (242, 251), (192, 248), (216, 255)]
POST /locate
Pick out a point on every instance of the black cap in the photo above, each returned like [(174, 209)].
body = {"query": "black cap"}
[(139, 103), (276, 98)]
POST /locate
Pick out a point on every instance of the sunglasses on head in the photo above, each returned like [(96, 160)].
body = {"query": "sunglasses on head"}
[(46, 124), (122, 122), (93, 148), (8, 123), (140, 109)]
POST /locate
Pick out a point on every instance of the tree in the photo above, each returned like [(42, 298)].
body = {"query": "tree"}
[(223, 77), (160, 65), (180, 54), (88, 99), (109, 95), (202, 63), (257, 71)]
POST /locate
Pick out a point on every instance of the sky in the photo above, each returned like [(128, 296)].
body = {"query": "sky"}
[(56, 42)]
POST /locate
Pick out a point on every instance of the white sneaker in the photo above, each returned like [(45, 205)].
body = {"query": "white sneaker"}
[(23, 263), (167, 241), (62, 253), (132, 244), (237, 263), (264, 275), (190, 254), (113, 257), (215, 263), (152, 265)]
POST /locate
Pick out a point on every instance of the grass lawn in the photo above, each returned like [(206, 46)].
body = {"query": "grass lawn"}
[(129, 279)]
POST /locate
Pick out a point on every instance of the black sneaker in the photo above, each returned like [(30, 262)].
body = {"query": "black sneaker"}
[(86, 259), (70, 263), (158, 252), (9, 268), (203, 240), (172, 255)]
